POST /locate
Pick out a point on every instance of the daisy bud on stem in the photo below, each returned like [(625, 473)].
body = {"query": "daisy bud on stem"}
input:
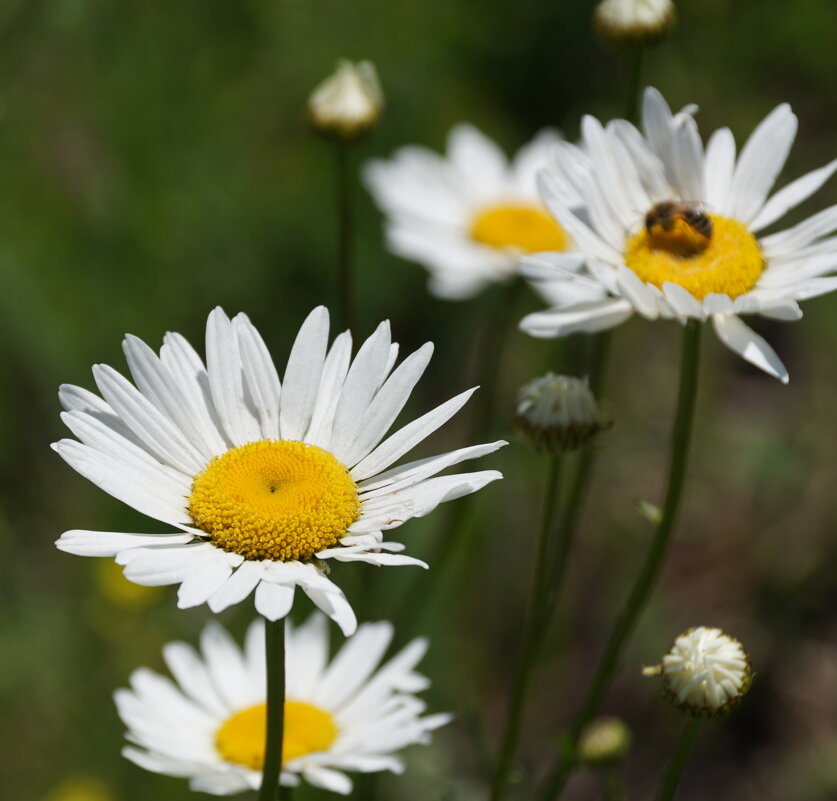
[(558, 413), (634, 22), (344, 107), (705, 673), (348, 103)]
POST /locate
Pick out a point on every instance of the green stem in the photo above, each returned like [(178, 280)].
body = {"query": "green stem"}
[(533, 629), (345, 238), (274, 641), (571, 512), (613, 788), (636, 56), (674, 770), (650, 571)]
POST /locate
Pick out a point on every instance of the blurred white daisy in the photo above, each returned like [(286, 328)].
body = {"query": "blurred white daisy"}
[(348, 714), (266, 482), (671, 230), (466, 217)]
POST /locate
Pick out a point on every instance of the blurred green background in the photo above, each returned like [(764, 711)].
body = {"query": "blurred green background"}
[(155, 161)]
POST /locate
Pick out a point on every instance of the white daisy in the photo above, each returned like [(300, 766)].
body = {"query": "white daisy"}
[(468, 216), (345, 715), (265, 482), (675, 231)]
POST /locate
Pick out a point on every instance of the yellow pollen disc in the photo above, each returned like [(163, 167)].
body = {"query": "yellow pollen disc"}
[(241, 737), (728, 262), (521, 227), (280, 500)]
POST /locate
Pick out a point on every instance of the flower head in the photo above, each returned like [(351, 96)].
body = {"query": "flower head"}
[(265, 481), (468, 216), (558, 412), (604, 741), (349, 102), (705, 672), (349, 714), (634, 22), (674, 231)]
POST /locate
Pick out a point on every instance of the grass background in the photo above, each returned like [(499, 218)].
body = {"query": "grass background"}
[(155, 161)]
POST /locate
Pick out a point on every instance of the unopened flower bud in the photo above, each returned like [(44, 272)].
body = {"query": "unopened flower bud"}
[(348, 103), (604, 741), (558, 413), (706, 672), (634, 22)]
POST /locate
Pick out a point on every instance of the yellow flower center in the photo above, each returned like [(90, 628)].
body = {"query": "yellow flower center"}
[(518, 226), (241, 737), (279, 500), (728, 261)]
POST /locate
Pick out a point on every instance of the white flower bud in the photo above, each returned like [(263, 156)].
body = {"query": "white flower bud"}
[(558, 413), (604, 741), (349, 102), (635, 22), (706, 672)]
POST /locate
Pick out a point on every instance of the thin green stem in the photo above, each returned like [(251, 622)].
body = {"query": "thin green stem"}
[(636, 58), (647, 578), (274, 641), (532, 632), (571, 511), (345, 236), (614, 789), (674, 769)]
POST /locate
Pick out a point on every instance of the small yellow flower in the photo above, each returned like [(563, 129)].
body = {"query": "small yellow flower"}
[(81, 788), (605, 740)]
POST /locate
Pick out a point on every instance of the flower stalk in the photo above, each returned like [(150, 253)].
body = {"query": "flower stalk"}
[(274, 641), (674, 770), (345, 235), (533, 629), (647, 578)]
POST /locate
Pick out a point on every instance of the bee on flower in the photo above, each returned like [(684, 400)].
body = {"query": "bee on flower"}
[(672, 229)]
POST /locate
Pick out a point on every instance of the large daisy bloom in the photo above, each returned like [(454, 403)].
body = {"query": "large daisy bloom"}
[(348, 714), (674, 230), (466, 217), (265, 481)]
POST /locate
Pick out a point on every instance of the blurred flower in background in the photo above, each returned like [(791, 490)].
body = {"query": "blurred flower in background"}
[(634, 22), (346, 715), (669, 231), (468, 216), (81, 788)]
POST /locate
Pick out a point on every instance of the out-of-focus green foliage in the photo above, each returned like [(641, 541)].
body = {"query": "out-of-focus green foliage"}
[(155, 161)]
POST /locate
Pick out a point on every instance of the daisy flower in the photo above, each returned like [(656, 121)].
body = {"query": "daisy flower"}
[(208, 725), (675, 231), (468, 216), (265, 482)]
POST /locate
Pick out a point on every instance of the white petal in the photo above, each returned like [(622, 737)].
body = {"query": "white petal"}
[(479, 159), (154, 428), (792, 195), (260, 375), (334, 374), (719, 168), (109, 543), (637, 292), (302, 375), (588, 317), (335, 605), (761, 161), (191, 674), (387, 404), (406, 438), (274, 601), (748, 344), (237, 587), (684, 303), (363, 379), (784, 243), (226, 380), (198, 587), (328, 780)]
